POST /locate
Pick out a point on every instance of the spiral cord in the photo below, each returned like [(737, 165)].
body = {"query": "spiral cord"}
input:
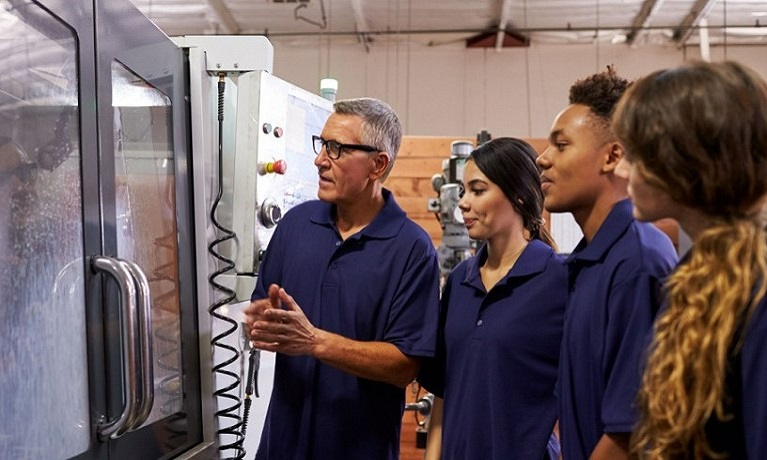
[(229, 421)]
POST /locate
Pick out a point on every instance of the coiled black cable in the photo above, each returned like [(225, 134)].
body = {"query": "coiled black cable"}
[(229, 392)]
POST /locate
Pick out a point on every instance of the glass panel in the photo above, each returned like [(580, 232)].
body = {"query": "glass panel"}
[(146, 219), (43, 365)]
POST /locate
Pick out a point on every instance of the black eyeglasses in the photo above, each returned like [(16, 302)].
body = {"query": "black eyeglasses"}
[(334, 148)]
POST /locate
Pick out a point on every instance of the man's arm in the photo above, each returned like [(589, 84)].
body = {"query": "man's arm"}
[(278, 324), (380, 361), (633, 304)]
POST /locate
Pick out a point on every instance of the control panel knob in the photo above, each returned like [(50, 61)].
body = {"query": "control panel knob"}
[(270, 213)]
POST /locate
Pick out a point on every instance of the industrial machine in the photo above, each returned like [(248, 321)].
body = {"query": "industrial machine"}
[(455, 245), (96, 239), (140, 179), (251, 140)]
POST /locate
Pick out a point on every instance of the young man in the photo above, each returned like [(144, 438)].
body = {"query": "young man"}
[(348, 297), (615, 274)]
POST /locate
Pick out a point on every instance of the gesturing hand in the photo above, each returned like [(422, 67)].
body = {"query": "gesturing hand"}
[(255, 311), (284, 330)]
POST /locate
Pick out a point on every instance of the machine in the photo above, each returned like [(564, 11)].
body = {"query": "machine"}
[(252, 141), (455, 245), (95, 237), (140, 179)]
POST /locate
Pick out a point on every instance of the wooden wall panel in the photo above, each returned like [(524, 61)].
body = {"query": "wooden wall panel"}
[(410, 186), (428, 147), (416, 166)]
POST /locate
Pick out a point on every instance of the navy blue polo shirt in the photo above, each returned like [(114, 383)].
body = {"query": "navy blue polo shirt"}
[(743, 436), (381, 284), (497, 357), (615, 292)]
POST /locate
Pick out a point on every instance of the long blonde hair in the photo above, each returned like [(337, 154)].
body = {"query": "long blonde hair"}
[(700, 132), (710, 298)]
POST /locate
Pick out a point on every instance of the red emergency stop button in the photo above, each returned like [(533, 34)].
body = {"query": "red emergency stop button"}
[(279, 167)]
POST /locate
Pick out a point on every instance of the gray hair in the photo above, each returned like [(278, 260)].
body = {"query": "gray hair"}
[(380, 126)]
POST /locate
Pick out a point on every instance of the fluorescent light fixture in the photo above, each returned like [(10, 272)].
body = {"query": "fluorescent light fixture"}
[(746, 31)]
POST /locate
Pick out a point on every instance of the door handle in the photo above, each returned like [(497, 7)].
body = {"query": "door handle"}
[(143, 344), (130, 352)]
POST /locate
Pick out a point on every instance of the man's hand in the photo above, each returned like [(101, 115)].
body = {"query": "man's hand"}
[(255, 311), (283, 330), (277, 323)]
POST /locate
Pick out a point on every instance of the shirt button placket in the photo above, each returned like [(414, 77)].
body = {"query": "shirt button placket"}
[(334, 265)]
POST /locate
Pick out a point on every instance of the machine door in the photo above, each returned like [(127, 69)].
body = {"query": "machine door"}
[(46, 134), (144, 189), (96, 264)]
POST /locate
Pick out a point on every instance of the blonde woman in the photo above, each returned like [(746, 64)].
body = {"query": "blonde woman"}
[(696, 138)]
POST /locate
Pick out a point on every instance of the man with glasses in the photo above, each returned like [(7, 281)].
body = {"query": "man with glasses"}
[(347, 295)]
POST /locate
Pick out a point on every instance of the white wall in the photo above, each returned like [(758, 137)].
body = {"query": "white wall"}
[(449, 90)]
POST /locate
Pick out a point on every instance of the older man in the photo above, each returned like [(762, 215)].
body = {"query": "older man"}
[(347, 295)]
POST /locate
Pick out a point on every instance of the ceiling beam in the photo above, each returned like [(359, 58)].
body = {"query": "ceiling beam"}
[(488, 40), (502, 23), (359, 17), (362, 25), (705, 44), (644, 18), (685, 28), (224, 16)]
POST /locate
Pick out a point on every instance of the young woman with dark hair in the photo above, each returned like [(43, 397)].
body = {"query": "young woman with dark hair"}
[(502, 315)]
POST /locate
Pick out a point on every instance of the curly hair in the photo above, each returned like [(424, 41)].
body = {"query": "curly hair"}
[(600, 93), (699, 132)]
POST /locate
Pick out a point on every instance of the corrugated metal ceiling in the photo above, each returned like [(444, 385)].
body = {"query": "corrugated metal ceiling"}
[(436, 22)]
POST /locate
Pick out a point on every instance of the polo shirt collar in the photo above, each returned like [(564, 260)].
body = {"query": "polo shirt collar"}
[(614, 226), (533, 260), (386, 224)]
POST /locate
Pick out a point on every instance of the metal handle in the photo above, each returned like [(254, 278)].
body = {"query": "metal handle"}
[(131, 359), (423, 406), (144, 345)]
